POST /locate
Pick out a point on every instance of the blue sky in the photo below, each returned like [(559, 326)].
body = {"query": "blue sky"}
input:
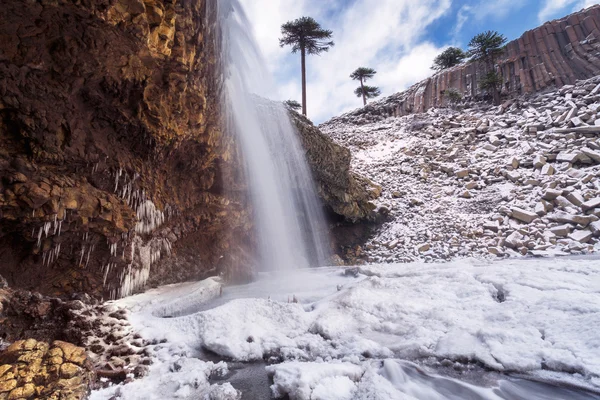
[(399, 38)]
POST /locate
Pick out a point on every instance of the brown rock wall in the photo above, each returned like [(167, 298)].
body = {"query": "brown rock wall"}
[(111, 152), (557, 53)]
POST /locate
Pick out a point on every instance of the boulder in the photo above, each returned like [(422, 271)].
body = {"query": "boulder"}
[(591, 204), (582, 236), (523, 215), (561, 230), (548, 170), (539, 161), (551, 194)]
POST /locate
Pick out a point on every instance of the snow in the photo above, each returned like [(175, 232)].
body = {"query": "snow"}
[(315, 381), (535, 317)]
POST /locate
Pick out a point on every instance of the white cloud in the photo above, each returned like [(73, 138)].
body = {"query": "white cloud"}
[(387, 36), (462, 17), (483, 10), (552, 7)]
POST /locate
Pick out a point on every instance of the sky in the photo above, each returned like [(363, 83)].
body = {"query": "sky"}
[(398, 38)]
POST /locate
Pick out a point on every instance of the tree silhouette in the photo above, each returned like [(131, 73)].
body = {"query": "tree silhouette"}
[(363, 74), (449, 58), (293, 104), (367, 92), (486, 47), (306, 36)]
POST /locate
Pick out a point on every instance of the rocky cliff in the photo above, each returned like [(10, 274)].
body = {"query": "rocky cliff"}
[(115, 171), (557, 53), (111, 153)]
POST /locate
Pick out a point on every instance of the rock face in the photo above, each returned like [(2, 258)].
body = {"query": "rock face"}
[(111, 155), (32, 369), (555, 54), (523, 179), (115, 172), (345, 192)]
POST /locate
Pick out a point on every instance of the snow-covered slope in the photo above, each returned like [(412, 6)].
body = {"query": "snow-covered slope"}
[(522, 178)]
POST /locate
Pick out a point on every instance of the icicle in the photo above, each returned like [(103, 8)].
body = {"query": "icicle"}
[(82, 254), (39, 242), (88, 256)]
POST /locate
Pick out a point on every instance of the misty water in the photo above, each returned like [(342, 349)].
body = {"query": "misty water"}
[(289, 222)]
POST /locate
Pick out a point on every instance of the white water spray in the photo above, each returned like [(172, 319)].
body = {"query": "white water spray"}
[(288, 217)]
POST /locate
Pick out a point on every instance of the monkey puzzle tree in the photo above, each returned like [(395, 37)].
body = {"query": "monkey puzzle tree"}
[(306, 36), (367, 92), (486, 47), (292, 104), (363, 74), (449, 58)]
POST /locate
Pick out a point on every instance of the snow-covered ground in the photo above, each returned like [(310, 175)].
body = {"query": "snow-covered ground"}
[(482, 181), (345, 335)]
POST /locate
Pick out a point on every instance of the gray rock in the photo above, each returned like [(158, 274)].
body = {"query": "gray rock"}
[(582, 236), (595, 228), (548, 170), (514, 240), (564, 217), (575, 198), (523, 215), (590, 204), (539, 161), (551, 194), (561, 230), (463, 173), (568, 157), (422, 248), (594, 155)]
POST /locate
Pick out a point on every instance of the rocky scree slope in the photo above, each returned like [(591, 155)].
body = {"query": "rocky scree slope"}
[(519, 179)]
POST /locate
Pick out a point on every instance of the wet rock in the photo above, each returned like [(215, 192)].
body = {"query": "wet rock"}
[(29, 368)]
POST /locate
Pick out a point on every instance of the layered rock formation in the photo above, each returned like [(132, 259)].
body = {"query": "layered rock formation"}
[(552, 55), (345, 192), (111, 153)]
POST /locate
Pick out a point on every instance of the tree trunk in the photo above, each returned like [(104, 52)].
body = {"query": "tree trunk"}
[(363, 91), (303, 56), (495, 91)]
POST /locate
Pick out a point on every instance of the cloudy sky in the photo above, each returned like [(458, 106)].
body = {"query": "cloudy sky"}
[(399, 38)]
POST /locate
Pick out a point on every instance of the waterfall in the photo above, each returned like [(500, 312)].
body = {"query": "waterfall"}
[(288, 217)]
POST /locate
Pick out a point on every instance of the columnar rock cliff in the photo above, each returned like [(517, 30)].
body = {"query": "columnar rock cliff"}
[(115, 171), (552, 55)]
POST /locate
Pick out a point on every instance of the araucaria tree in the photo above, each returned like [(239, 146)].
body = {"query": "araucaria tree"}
[(293, 105), (486, 47), (306, 36), (449, 58), (367, 92), (363, 74)]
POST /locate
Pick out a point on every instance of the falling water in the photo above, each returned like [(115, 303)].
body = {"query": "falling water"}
[(289, 220)]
